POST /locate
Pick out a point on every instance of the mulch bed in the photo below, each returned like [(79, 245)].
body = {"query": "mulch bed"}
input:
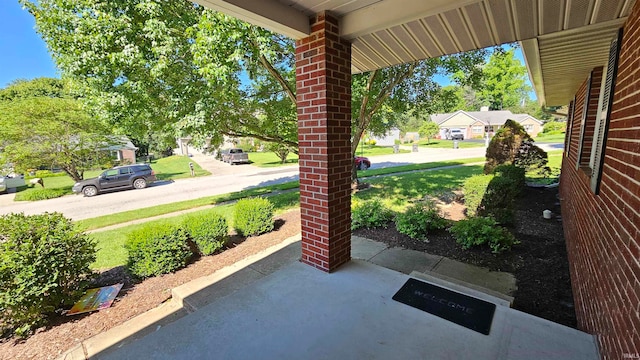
[(539, 262)]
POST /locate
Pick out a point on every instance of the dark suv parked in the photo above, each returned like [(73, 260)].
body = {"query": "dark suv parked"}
[(121, 177)]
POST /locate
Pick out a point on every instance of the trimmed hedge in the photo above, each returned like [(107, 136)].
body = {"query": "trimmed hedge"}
[(41, 194), (495, 194), (477, 231), (157, 249), (419, 220), (474, 189), (208, 231), (253, 216), (370, 214), (44, 266), (515, 174)]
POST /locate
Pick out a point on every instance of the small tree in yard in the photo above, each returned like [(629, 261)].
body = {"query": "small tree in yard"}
[(281, 150), (429, 130), (512, 145)]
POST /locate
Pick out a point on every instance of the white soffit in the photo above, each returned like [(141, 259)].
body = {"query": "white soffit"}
[(390, 32), (558, 63)]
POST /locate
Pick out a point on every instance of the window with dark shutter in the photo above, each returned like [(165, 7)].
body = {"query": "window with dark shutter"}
[(596, 161), (583, 121)]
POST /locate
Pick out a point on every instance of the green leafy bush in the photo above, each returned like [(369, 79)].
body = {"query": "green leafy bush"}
[(474, 189), (499, 200), (370, 214), (41, 194), (514, 173), (157, 249), (553, 127), (208, 231), (477, 231), (253, 216), (419, 220), (44, 266), (48, 173)]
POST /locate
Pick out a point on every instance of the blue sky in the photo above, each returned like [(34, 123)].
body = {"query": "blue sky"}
[(24, 54)]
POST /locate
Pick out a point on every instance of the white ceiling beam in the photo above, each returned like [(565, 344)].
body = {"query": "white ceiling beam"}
[(388, 13), (269, 14)]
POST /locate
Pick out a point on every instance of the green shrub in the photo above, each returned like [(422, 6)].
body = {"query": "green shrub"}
[(477, 231), (41, 194), (157, 249), (208, 231), (370, 214), (554, 127), (513, 145), (48, 173), (474, 189), (514, 173), (419, 220), (253, 216), (499, 200), (44, 266)]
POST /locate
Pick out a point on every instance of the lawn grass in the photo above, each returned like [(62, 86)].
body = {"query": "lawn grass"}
[(397, 191), (448, 144), (176, 167), (269, 159), (555, 138), (414, 167), (110, 244), (371, 150), (126, 216), (169, 168)]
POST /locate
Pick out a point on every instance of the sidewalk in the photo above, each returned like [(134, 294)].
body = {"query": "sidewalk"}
[(271, 306)]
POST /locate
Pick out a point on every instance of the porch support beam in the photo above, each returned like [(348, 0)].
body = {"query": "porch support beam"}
[(323, 90)]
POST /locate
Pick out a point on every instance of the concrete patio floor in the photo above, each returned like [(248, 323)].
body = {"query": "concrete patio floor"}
[(279, 308)]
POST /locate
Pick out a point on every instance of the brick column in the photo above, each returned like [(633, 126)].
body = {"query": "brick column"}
[(323, 83)]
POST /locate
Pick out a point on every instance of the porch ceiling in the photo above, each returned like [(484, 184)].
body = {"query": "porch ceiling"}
[(562, 39)]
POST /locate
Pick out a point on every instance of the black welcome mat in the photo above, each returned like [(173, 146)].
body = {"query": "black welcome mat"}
[(461, 309)]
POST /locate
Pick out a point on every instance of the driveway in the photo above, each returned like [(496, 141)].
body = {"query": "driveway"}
[(224, 179)]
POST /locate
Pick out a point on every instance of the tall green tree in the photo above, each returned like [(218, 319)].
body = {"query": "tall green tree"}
[(149, 66), (504, 84), (51, 131)]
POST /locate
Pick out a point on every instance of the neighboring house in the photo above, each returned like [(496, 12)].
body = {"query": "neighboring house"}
[(123, 151), (476, 124), (389, 139)]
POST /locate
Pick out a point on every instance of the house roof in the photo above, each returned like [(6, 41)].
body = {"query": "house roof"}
[(561, 40), (497, 117)]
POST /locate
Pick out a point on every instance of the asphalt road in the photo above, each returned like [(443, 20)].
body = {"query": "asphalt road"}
[(224, 179)]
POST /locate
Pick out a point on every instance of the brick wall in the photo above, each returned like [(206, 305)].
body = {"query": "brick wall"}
[(603, 231), (323, 83)]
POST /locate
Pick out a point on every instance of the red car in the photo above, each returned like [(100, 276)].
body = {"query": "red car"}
[(362, 163)]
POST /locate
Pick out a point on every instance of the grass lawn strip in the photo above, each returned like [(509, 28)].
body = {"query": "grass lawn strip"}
[(133, 215), (269, 159)]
